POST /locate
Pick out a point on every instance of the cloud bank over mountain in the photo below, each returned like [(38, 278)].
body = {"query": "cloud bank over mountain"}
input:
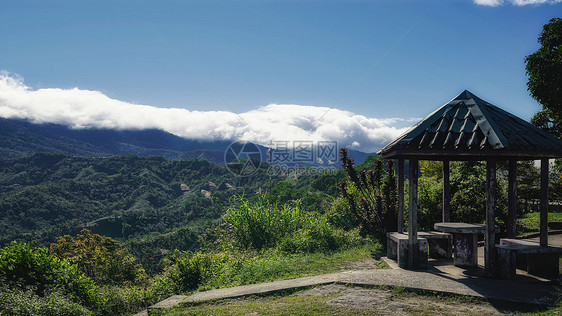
[(78, 108)]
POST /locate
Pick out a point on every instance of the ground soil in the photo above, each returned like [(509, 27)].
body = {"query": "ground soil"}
[(389, 303), (365, 264)]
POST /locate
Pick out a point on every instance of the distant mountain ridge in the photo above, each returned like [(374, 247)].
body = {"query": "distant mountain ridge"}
[(20, 138)]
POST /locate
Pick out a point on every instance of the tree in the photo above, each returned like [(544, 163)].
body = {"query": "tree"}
[(101, 258), (544, 68)]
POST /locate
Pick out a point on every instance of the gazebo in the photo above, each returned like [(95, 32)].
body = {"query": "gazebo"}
[(469, 128)]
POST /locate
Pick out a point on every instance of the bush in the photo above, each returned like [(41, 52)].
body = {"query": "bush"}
[(188, 271), (340, 214), (430, 192), (15, 301), (25, 267), (101, 258), (125, 300), (372, 196), (260, 225), (318, 236), (468, 191)]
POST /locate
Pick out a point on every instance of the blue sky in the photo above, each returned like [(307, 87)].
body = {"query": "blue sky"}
[(256, 53)]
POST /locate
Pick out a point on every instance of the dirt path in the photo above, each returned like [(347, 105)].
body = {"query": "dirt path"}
[(389, 303)]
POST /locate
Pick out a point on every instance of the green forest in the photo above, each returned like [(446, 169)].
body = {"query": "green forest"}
[(148, 203), (114, 235)]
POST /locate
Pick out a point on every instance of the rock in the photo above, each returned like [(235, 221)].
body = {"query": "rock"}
[(206, 193)]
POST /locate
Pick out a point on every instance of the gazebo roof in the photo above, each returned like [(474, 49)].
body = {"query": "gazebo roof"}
[(468, 127)]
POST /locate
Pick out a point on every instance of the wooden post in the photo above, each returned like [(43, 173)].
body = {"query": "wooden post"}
[(446, 192), (490, 242), (400, 195), (544, 202), (413, 213), (512, 200)]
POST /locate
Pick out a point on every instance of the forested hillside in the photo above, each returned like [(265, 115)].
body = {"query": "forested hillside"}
[(152, 203)]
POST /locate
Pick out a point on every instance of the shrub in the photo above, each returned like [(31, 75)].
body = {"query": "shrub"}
[(318, 235), (468, 191), (101, 258), (340, 215), (14, 301), (430, 192), (371, 196), (125, 300), (261, 225), (25, 267), (191, 270)]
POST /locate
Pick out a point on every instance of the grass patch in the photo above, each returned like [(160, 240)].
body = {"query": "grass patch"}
[(531, 221), (292, 304), (278, 266), (402, 300), (233, 268)]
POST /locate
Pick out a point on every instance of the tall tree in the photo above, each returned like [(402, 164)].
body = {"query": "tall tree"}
[(544, 68)]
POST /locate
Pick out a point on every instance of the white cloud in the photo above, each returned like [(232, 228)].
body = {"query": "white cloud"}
[(78, 108), (526, 2), (491, 3), (494, 3)]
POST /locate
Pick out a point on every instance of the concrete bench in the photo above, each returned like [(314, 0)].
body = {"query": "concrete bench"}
[(529, 255), (440, 244), (554, 225), (397, 249)]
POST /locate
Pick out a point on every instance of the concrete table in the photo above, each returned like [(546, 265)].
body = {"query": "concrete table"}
[(465, 240)]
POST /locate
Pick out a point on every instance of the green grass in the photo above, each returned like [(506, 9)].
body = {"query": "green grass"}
[(530, 222), (292, 304), (262, 242), (249, 268), (228, 268)]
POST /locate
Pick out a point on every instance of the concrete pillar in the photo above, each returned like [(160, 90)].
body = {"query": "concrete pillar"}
[(413, 213), (490, 242), (400, 195), (512, 200), (446, 193), (544, 202)]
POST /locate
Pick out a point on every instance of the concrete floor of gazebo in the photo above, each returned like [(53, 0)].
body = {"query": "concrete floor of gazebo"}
[(446, 265)]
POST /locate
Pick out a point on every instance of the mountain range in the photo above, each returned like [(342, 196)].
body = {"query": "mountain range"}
[(20, 138)]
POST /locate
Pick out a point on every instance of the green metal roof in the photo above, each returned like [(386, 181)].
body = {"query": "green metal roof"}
[(468, 127)]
